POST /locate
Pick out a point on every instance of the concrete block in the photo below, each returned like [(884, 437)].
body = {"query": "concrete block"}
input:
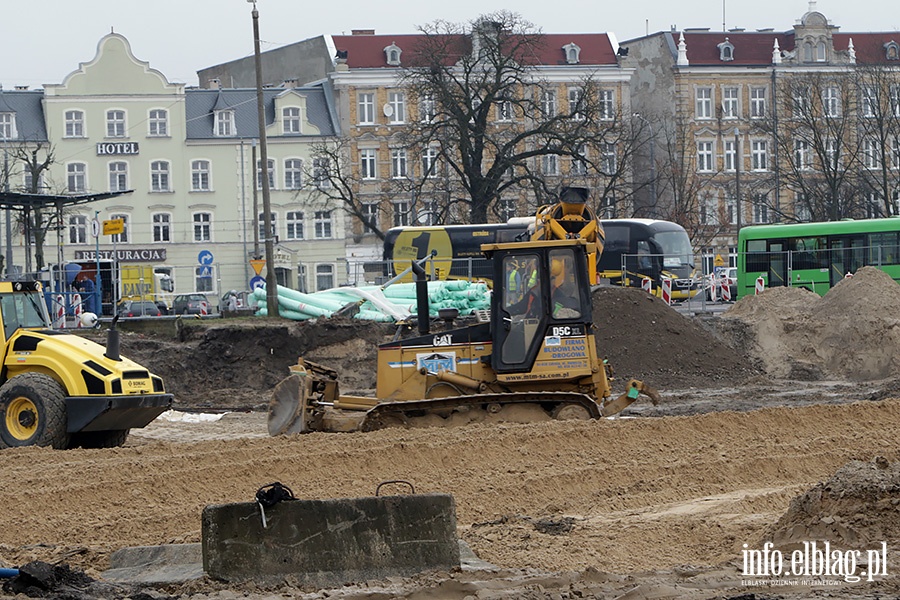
[(168, 563), (331, 542)]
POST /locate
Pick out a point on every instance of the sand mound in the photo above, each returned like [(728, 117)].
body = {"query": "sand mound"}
[(852, 332), (858, 507)]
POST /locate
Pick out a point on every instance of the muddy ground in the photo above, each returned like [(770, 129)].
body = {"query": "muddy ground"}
[(778, 423)]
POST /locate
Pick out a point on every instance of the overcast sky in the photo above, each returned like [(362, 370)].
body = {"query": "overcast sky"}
[(42, 41)]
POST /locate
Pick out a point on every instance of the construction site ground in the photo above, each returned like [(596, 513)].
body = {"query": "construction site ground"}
[(778, 423)]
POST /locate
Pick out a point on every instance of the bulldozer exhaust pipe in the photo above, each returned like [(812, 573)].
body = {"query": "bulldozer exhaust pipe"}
[(112, 341), (421, 297)]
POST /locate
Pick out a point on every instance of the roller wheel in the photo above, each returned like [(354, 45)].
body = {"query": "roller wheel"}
[(566, 412), (99, 439), (33, 412)]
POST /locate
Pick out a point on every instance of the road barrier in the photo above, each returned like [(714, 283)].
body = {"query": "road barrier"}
[(667, 290), (760, 285), (647, 285)]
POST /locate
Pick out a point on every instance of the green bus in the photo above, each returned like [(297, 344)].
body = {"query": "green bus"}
[(815, 255)]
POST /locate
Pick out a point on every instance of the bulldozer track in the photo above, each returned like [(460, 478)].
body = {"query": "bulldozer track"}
[(388, 413)]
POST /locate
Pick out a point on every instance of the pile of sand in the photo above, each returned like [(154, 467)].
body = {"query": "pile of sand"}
[(853, 332), (858, 507)]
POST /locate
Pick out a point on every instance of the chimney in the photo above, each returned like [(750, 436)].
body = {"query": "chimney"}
[(214, 84), (362, 32), (341, 60), (21, 88)]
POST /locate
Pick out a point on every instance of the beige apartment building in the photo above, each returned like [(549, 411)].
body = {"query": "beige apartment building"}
[(772, 126)]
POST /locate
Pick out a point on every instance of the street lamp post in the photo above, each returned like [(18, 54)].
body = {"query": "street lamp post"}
[(271, 280), (737, 176)]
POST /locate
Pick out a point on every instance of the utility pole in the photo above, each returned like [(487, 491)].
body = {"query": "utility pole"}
[(737, 176), (271, 280)]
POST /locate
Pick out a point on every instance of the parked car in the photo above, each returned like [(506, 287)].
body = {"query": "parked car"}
[(190, 304), (724, 278), (135, 308)]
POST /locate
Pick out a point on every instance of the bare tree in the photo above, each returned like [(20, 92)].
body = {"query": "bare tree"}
[(490, 116), (879, 127), (815, 132), (683, 186), (332, 175), (35, 159)]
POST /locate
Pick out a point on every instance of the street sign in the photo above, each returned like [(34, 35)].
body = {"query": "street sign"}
[(257, 265), (113, 226), (205, 257), (257, 282)]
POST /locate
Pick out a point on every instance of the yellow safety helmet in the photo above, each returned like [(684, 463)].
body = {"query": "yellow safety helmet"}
[(558, 271)]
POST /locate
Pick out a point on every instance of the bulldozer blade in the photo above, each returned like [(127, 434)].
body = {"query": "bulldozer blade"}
[(651, 393), (616, 406), (287, 408)]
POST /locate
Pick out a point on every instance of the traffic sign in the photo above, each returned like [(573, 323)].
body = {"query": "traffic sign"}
[(205, 257), (204, 271), (719, 261), (95, 228), (257, 283), (257, 265), (113, 226)]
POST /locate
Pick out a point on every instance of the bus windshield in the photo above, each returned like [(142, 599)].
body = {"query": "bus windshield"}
[(676, 248)]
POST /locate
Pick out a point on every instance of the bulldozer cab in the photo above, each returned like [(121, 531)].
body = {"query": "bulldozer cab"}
[(541, 293)]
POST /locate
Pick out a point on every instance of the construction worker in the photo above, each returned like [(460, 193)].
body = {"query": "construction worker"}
[(528, 304), (514, 288)]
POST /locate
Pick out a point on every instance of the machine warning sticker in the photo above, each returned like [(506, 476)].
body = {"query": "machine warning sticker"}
[(436, 361)]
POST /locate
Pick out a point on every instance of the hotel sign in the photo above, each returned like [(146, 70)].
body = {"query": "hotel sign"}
[(124, 255), (117, 148)]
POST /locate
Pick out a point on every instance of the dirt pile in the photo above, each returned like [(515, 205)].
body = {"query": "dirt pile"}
[(645, 339), (235, 364), (852, 332), (858, 507)]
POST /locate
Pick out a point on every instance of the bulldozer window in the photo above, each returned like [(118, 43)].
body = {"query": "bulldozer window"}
[(565, 295), (525, 309), (524, 299)]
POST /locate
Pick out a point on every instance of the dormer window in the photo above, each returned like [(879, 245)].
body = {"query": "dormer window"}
[(8, 126), (573, 53), (892, 50), (726, 51), (392, 54), (224, 126)]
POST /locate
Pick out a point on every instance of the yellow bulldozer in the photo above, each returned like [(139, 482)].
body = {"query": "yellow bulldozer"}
[(63, 390), (534, 357)]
